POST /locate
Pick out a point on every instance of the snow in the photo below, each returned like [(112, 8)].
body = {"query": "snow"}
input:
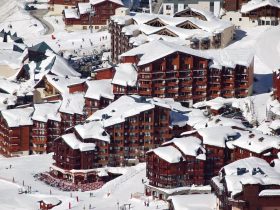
[(61, 83), (127, 106), (120, 109), (8, 86), (188, 145), (12, 13), (73, 103), (71, 13), (99, 88), (92, 130), (75, 143), (191, 202), (169, 154), (265, 193), (216, 136), (46, 111), (18, 117), (157, 49), (125, 75), (84, 8), (256, 4), (23, 168), (256, 142), (265, 174)]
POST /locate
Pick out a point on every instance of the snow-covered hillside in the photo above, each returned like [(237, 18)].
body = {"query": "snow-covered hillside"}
[(13, 17), (24, 168)]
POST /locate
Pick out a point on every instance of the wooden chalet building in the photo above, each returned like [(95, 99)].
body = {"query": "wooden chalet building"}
[(187, 75), (72, 154), (122, 132), (128, 32), (251, 143), (265, 12), (81, 15), (247, 184), (99, 94), (46, 127), (176, 163), (15, 131)]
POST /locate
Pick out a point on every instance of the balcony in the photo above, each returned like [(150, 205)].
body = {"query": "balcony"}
[(172, 84), (39, 149), (37, 141), (145, 92), (200, 82), (215, 88), (228, 95), (159, 85), (185, 83), (159, 92), (173, 90)]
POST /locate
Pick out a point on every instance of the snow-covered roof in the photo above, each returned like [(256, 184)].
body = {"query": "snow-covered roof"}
[(217, 136), (157, 49), (230, 57), (188, 145), (71, 13), (94, 2), (61, 83), (139, 23), (120, 109), (250, 170), (71, 140), (256, 4), (256, 142), (18, 117), (125, 75), (127, 106), (8, 86), (60, 67), (73, 103), (169, 154), (99, 88), (92, 130), (7, 100), (46, 111), (194, 201), (84, 8), (265, 193)]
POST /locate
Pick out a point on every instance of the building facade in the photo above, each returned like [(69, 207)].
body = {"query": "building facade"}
[(93, 13), (186, 27), (185, 75), (177, 163), (122, 132), (15, 133), (234, 188)]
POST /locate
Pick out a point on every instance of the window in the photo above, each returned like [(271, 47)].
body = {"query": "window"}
[(230, 19), (168, 7), (240, 19)]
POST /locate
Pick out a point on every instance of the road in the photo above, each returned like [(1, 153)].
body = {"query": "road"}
[(39, 14)]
